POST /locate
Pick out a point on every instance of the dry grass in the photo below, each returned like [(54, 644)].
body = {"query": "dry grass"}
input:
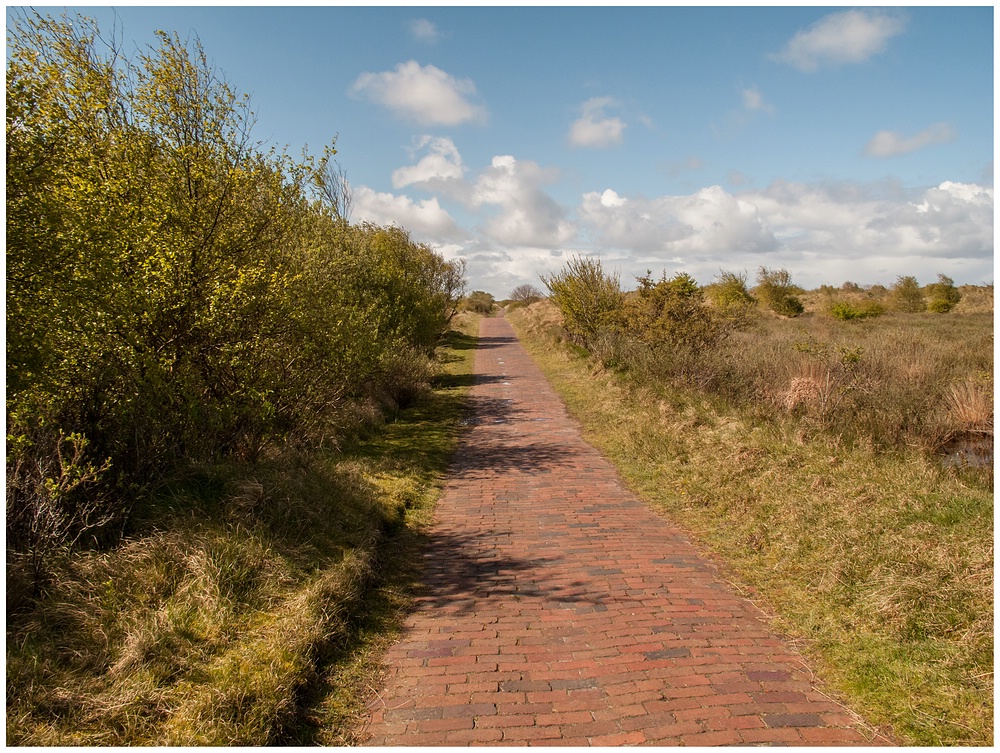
[(237, 612), (877, 560)]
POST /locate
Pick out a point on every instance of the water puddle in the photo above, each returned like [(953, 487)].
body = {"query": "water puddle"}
[(968, 451)]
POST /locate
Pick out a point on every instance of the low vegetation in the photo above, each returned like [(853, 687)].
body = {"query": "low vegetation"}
[(248, 604), (805, 453)]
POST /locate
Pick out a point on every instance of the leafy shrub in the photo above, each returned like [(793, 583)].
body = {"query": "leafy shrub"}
[(671, 312), (944, 295), (906, 296), (479, 302), (175, 294), (731, 298), (776, 291), (589, 298), (845, 311)]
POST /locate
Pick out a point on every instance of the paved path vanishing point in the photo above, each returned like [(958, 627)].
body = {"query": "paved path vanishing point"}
[(558, 609)]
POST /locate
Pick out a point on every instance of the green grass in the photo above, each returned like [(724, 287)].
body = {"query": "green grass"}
[(877, 561), (249, 605)]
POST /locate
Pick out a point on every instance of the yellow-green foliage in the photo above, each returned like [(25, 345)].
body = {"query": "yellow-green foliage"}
[(229, 616), (906, 296), (589, 298), (943, 295), (775, 291), (878, 563), (846, 311), (479, 302), (175, 294), (671, 312)]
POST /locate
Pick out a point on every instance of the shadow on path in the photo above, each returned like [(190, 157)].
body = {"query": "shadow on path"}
[(461, 570)]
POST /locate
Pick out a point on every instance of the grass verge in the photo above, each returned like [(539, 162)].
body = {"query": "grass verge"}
[(878, 562), (250, 606)]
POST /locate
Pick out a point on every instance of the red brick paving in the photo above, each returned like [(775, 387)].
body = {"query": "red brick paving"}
[(559, 610)]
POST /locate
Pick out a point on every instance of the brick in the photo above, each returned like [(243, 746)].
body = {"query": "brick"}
[(530, 733), (506, 720), (704, 739), (793, 720), (621, 738)]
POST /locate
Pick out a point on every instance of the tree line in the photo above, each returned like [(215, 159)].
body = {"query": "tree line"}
[(177, 292)]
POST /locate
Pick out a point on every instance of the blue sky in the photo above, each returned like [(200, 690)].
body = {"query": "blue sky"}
[(840, 143)]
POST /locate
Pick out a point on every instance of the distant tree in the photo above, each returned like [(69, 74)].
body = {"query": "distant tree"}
[(944, 295), (479, 302), (525, 294), (906, 296), (776, 291), (850, 287)]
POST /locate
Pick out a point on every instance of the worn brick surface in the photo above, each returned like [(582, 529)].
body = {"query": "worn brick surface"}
[(558, 609)]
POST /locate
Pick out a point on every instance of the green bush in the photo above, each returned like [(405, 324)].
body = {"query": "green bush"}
[(943, 294), (671, 312), (175, 294), (775, 291), (731, 298), (479, 302), (845, 311), (906, 296), (589, 298)]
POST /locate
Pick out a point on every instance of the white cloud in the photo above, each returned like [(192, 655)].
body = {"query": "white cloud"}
[(425, 94), (892, 143), (441, 164), (710, 221), (595, 129), (528, 216), (822, 233), (424, 31), (427, 220), (837, 226), (850, 36)]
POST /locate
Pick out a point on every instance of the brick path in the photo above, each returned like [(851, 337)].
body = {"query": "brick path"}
[(558, 609)]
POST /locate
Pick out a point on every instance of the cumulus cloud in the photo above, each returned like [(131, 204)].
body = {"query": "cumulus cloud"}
[(424, 94), (893, 143), (427, 219), (440, 165), (709, 222), (823, 233), (595, 129), (850, 36), (424, 31), (527, 215), (880, 227)]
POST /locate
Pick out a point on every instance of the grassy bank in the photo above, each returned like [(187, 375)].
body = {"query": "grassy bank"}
[(248, 603), (876, 560)]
